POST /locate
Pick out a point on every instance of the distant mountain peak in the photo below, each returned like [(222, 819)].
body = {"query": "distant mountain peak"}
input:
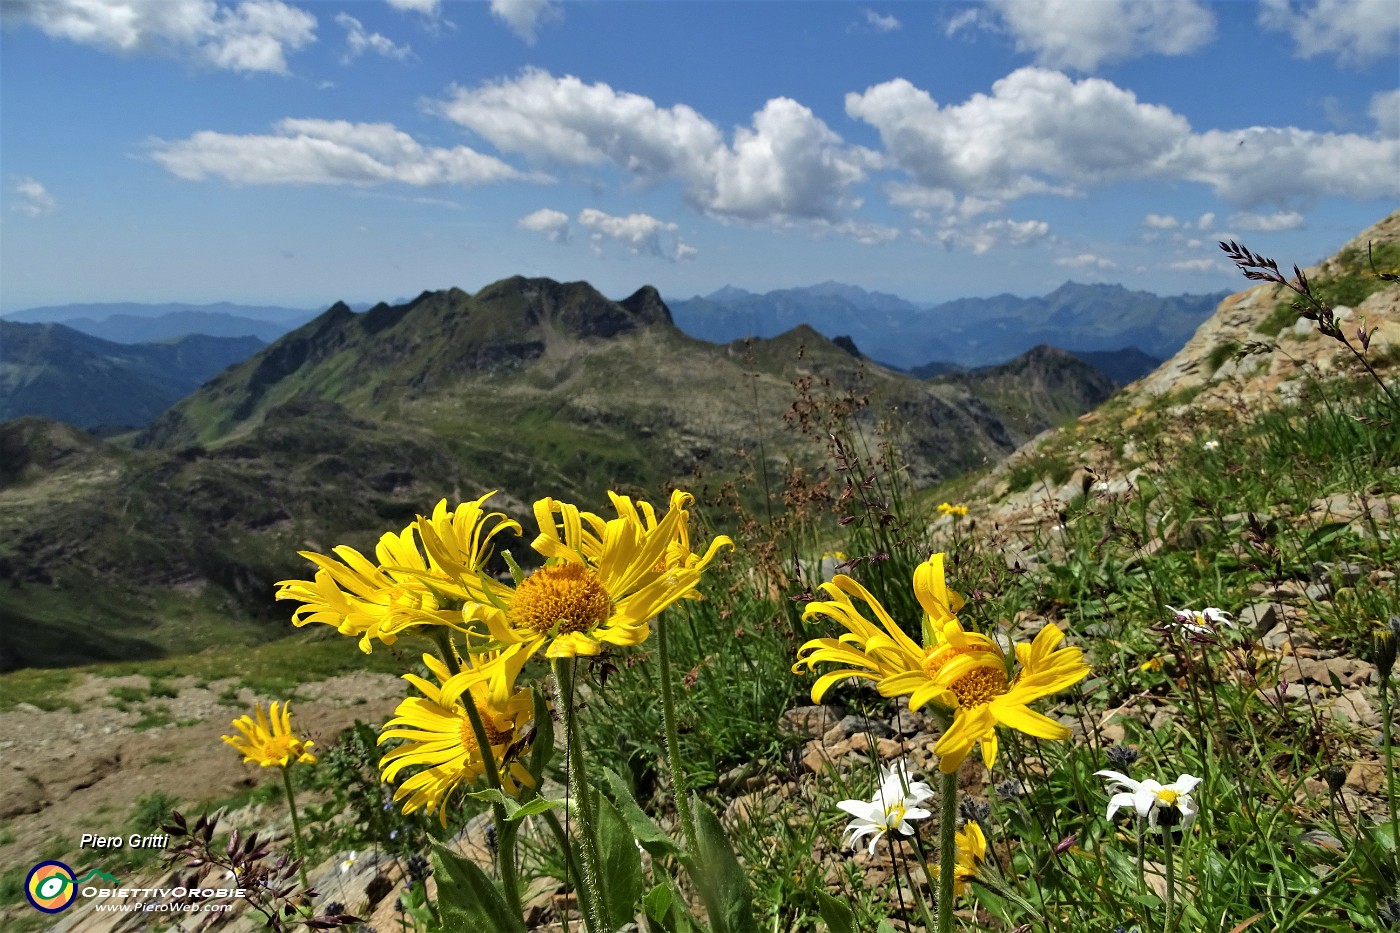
[(729, 293)]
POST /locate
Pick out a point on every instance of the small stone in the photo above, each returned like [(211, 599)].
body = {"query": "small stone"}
[(810, 721), (1261, 617), (1367, 777), (1349, 573), (1353, 706), (851, 725), (1318, 592)]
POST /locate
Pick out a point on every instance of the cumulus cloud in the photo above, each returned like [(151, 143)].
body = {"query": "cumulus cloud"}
[(253, 35), (982, 238), (524, 17), (550, 224), (1197, 265), (1161, 222), (32, 199), (1039, 132), (1280, 220), (1356, 31), (881, 23), (429, 8), (1385, 110), (329, 152), (641, 234), (1086, 261), (788, 165), (1083, 36), (357, 41)]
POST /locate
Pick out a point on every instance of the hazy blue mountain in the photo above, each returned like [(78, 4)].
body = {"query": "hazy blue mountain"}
[(62, 314), (130, 328), (966, 332), (57, 372), (1122, 366)]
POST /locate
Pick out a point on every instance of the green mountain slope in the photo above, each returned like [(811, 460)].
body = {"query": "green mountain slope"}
[(56, 372)]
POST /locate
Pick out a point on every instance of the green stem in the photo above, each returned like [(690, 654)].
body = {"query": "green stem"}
[(298, 846), (947, 848), (673, 740), (1171, 878), (1142, 854), (1388, 744), (581, 792), (505, 830)]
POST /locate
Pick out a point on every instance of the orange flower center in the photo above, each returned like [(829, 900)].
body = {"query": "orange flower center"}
[(978, 686), (564, 598), (493, 735), (935, 658)]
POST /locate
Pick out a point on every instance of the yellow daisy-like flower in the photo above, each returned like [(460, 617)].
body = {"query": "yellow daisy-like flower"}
[(971, 853), (960, 672), (438, 732), (603, 581), (409, 586), (946, 508), (269, 740)]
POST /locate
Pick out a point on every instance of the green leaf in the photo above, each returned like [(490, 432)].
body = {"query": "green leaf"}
[(885, 927), (515, 810), (838, 915), (718, 876), (1324, 533), (621, 866), (543, 747), (643, 829), (665, 907), (468, 900)]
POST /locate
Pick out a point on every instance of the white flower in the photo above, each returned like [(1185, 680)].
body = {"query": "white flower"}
[(1211, 445), (1148, 797), (1200, 622), (348, 863), (895, 803)]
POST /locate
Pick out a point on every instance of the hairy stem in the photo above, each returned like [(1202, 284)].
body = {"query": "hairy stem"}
[(582, 794), (947, 848), (673, 740)]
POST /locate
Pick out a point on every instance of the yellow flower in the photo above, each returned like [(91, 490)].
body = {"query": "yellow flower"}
[(407, 587), (438, 732), (270, 741), (602, 582), (971, 853), (960, 672), (945, 508)]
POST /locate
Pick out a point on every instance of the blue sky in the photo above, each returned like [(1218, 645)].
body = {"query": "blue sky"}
[(297, 153)]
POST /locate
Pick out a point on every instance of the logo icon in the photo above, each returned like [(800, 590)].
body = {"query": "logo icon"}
[(51, 887)]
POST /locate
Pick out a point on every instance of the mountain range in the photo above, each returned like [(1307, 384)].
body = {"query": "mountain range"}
[(966, 332), (357, 421), (57, 372)]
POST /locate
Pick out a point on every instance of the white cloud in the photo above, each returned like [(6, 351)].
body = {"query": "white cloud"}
[(524, 17), (1385, 110), (1356, 31), (1086, 261), (329, 152), (1197, 265), (1081, 35), (971, 18), (429, 8), (253, 35), (788, 166), (1161, 222), (552, 225), (32, 199), (1205, 221), (1281, 220), (1039, 132), (357, 41), (881, 23), (641, 234), (984, 238)]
